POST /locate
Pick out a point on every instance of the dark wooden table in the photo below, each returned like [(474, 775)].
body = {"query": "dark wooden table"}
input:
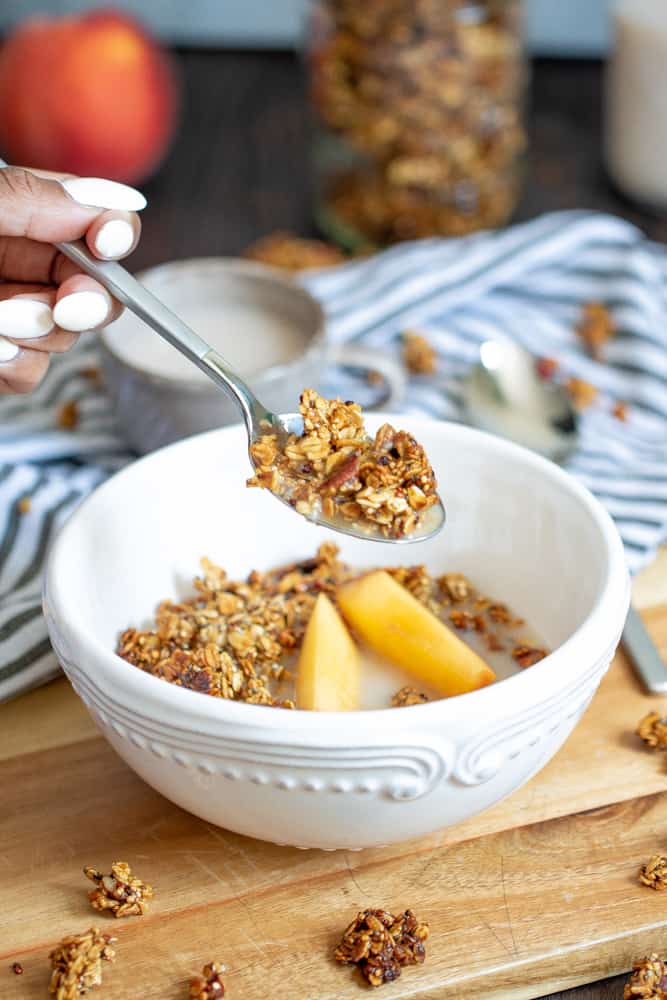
[(240, 169)]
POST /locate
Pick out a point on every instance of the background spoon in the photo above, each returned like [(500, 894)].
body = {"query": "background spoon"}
[(504, 394)]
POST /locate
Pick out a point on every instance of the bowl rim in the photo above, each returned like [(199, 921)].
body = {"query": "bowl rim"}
[(528, 685)]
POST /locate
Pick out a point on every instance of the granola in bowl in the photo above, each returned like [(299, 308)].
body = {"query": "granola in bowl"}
[(243, 639), (382, 484)]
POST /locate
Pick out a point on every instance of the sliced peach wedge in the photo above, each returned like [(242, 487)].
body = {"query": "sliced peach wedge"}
[(328, 678), (397, 626)]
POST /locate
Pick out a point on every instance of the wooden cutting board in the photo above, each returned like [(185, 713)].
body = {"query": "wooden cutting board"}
[(539, 893)]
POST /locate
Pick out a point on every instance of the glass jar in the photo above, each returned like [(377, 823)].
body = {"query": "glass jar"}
[(419, 107)]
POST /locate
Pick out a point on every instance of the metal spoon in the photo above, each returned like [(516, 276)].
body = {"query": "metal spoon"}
[(505, 395), (257, 418)]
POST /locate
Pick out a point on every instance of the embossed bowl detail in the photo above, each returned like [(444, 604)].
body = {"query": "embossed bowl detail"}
[(520, 527)]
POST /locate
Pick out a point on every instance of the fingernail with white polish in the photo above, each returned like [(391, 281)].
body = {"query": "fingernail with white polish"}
[(8, 351), (81, 311), (25, 319), (114, 238), (100, 193)]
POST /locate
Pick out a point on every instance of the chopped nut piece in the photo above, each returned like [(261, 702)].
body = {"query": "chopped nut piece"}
[(208, 986), (456, 585), (68, 415), (408, 696), (653, 730), (595, 327), (620, 411), (546, 368), (582, 393), (383, 484), (24, 505), (17, 968), (648, 980), (120, 892), (381, 944), (462, 620), (493, 643), (419, 355), (293, 253), (654, 872), (527, 656), (92, 373), (77, 963), (499, 613)]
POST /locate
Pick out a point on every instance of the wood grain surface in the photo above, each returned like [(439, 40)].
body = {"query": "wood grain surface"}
[(239, 169)]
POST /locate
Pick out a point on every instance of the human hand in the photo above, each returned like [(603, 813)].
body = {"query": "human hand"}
[(45, 302)]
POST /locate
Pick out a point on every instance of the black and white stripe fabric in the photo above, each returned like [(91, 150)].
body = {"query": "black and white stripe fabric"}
[(528, 282)]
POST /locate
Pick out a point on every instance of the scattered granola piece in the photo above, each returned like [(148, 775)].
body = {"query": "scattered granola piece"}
[(77, 963), (620, 411), (648, 980), (455, 585), (68, 415), (419, 355), (17, 968), (381, 944), (595, 327), (582, 393), (527, 656), (408, 696), (24, 505), (374, 378), (546, 368), (293, 253), (652, 729), (493, 643), (462, 620), (120, 892), (654, 872), (499, 613), (208, 986), (384, 484), (92, 373)]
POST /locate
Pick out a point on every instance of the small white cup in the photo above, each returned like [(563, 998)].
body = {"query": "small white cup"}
[(159, 397)]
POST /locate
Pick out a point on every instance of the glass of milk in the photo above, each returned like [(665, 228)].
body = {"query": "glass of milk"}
[(636, 102), (263, 323)]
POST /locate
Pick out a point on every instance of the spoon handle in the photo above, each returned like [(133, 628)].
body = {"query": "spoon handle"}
[(124, 287), (643, 653)]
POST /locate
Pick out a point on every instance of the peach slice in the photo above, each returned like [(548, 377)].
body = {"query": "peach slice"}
[(396, 625), (328, 676)]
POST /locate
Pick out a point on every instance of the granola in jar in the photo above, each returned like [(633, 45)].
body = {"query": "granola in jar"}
[(418, 105)]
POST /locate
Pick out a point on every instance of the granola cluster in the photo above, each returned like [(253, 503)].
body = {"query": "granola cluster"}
[(425, 101), (381, 944), (383, 484), (209, 985), (654, 872), (77, 963), (408, 696), (419, 355), (120, 892), (652, 729), (231, 639), (648, 980), (595, 327), (293, 253)]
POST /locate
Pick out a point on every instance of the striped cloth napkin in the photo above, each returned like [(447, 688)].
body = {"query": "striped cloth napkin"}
[(528, 282)]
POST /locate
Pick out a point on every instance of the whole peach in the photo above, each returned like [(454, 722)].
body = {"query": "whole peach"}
[(92, 95)]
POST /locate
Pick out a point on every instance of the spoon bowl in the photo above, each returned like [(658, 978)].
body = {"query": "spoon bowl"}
[(505, 395)]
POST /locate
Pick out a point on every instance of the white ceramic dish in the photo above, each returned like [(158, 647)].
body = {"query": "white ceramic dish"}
[(519, 526)]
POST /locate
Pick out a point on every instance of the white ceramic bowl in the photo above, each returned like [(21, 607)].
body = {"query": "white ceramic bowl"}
[(521, 528)]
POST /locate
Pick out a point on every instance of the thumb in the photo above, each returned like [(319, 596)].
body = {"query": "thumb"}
[(42, 209)]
